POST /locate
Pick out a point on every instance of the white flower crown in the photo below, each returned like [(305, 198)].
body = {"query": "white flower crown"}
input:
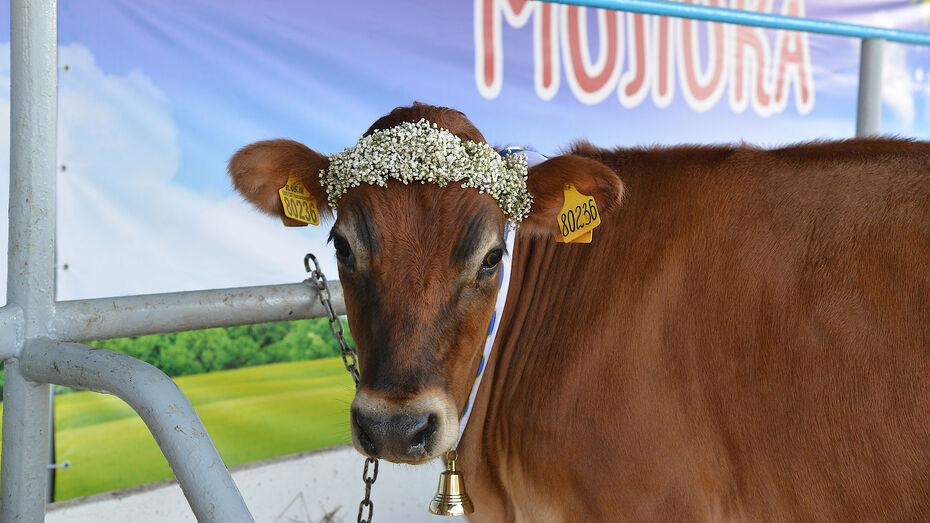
[(424, 152)]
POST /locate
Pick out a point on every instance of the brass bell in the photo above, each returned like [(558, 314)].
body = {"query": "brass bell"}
[(451, 498)]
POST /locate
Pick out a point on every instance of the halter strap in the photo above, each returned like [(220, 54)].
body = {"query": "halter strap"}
[(503, 285)]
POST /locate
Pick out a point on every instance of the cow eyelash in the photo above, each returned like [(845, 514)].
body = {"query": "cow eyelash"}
[(343, 249)]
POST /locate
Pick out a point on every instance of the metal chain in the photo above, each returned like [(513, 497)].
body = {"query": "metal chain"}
[(369, 480), (318, 280)]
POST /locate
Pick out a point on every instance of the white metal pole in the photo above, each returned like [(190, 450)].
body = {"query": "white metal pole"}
[(50, 476), (11, 331), (31, 270), (869, 110)]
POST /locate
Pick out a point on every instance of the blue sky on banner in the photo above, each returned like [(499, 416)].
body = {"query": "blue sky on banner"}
[(155, 97)]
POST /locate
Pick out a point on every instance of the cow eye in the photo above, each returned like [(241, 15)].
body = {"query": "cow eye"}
[(492, 259), (343, 251)]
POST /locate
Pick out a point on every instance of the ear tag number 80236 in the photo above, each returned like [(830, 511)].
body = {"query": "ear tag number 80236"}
[(299, 205), (578, 217)]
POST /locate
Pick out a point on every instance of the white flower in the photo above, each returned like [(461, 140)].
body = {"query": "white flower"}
[(423, 152)]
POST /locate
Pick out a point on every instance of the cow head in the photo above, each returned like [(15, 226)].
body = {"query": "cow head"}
[(419, 266)]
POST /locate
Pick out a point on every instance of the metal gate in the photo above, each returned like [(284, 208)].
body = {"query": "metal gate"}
[(39, 335)]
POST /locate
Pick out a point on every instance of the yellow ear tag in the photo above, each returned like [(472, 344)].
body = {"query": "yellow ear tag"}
[(578, 217), (299, 205), (584, 238)]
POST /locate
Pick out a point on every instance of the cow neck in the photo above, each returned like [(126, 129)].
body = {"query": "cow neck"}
[(503, 286)]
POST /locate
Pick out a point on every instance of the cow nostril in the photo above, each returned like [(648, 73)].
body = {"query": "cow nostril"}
[(364, 439), (366, 442), (422, 439)]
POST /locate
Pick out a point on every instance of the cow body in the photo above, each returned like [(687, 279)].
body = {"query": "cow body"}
[(748, 337)]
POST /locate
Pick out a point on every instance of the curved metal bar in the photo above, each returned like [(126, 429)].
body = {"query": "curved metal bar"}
[(736, 16), (162, 406)]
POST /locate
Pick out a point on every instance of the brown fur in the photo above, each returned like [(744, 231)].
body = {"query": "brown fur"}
[(423, 325), (446, 118), (747, 337)]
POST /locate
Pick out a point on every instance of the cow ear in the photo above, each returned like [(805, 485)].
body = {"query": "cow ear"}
[(546, 182), (260, 169)]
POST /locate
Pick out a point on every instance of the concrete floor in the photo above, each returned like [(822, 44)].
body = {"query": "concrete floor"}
[(300, 488)]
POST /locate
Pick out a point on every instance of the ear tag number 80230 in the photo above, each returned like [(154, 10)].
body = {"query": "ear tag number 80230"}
[(578, 217)]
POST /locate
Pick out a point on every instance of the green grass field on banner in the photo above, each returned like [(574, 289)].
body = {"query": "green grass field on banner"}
[(252, 414)]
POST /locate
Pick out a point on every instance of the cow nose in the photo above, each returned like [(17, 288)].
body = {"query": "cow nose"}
[(396, 437)]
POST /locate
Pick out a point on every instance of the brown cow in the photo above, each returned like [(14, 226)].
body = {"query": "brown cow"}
[(747, 337)]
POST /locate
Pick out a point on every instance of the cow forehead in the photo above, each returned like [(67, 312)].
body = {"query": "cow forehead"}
[(417, 219)]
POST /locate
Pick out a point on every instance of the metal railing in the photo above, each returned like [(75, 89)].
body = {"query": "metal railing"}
[(869, 106), (37, 332), (754, 19)]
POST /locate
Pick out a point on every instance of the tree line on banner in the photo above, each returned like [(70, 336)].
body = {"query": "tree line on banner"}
[(196, 352)]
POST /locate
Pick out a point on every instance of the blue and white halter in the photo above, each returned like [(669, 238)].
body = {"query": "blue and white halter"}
[(503, 285)]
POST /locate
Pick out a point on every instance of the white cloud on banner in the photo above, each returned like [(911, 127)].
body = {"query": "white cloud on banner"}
[(123, 226), (898, 87), (902, 83)]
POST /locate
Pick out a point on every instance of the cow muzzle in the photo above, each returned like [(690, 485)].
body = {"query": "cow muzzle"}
[(408, 431)]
